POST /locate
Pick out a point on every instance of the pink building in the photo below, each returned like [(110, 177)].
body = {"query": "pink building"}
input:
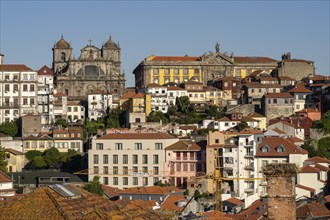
[(184, 159)]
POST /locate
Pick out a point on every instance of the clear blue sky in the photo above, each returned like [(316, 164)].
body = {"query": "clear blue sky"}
[(29, 29)]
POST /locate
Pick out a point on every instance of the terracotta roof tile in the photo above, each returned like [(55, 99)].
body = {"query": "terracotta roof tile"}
[(273, 143), (318, 160), (171, 203), (138, 96), (321, 167), (175, 58), (14, 68), (127, 95), (267, 78), (298, 60), (59, 94), (309, 169), (294, 139), (4, 178), (277, 130), (314, 210), (138, 136), (254, 60), (154, 85), (305, 188), (234, 200), (300, 89), (45, 71), (278, 95), (256, 115), (151, 190), (175, 88), (186, 145), (250, 131), (15, 152), (286, 78), (261, 85)]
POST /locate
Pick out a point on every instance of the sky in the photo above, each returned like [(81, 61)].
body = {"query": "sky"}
[(29, 29)]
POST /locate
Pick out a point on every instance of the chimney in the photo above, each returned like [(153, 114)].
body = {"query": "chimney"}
[(1, 58), (281, 190)]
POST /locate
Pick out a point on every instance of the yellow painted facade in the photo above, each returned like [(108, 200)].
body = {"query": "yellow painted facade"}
[(245, 71), (174, 74)]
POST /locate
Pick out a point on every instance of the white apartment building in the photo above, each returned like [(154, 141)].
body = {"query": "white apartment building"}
[(126, 160), (98, 104), (75, 112), (18, 91), (276, 150), (60, 103), (233, 119), (158, 96), (173, 92), (45, 95)]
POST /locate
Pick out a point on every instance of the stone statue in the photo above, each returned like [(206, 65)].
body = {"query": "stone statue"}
[(217, 47)]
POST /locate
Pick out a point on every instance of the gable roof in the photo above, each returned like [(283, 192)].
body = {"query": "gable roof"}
[(184, 145), (4, 178), (314, 210), (300, 89), (309, 169), (318, 159), (273, 143), (15, 68), (254, 60), (45, 71), (15, 152), (305, 188), (278, 95), (151, 190), (137, 136), (171, 202), (174, 58)]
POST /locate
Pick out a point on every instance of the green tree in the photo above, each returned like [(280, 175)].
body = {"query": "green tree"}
[(323, 147), (172, 110), (94, 186), (242, 125), (214, 112), (323, 124), (3, 159), (197, 194), (38, 162), (71, 159), (183, 104), (186, 193), (157, 116), (31, 154), (62, 122), (52, 157), (9, 128)]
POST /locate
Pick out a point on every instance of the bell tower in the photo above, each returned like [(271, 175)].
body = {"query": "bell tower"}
[(62, 54)]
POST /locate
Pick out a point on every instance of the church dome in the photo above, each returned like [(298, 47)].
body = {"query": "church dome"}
[(110, 44), (62, 43)]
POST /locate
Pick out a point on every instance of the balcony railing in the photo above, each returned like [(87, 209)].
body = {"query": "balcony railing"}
[(249, 167)]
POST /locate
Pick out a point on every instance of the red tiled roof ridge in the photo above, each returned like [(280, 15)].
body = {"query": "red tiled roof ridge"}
[(137, 136), (305, 187), (175, 58), (318, 159), (4, 178), (15, 67), (309, 169)]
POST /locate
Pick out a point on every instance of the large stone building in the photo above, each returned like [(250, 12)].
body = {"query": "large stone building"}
[(94, 69), (205, 68)]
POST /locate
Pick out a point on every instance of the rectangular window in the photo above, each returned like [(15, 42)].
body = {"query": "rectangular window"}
[(185, 71), (105, 159), (166, 71), (159, 146), (115, 181), (31, 88), (125, 170), (135, 181), (115, 170), (138, 146), (196, 71), (144, 159), (135, 159), (156, 71), (192, 167), (156, 179), (178, 167), (156, 171), (118, 146), (105, 180), (25, 101), (31, 77), (6, 88), (192, 156), (185, 167), (125, 159), (15, 88), (274, 101), (99, 146), (95, 159), (15, 77), (25, 77), (75, 109), (145, 181), (145, 170), (155, 159), (69, 109), (176, 71), (32, 102), (135, 169), (25, 88), (96, 169), (125, 181), (115, 159), (105, 170)]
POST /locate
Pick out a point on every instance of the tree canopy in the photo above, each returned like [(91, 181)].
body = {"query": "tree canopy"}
[(9, 128), (3, 159), (323, 124), (94, 186)]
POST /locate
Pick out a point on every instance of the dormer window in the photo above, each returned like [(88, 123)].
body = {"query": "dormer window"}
[(239, 116), (234, 116), (280, 148), (265, 149)]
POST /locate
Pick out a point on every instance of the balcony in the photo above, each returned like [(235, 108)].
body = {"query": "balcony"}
[(249, 167), (248, 190), (249, 155)]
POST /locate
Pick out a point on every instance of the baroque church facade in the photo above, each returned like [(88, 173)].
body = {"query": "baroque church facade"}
[(95, 69)]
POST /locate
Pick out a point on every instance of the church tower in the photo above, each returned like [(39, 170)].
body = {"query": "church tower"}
[(62, 54), (111, 51)]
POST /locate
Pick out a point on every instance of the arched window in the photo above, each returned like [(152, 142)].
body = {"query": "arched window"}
[(63, 56), (280, 148), (265, 149)]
